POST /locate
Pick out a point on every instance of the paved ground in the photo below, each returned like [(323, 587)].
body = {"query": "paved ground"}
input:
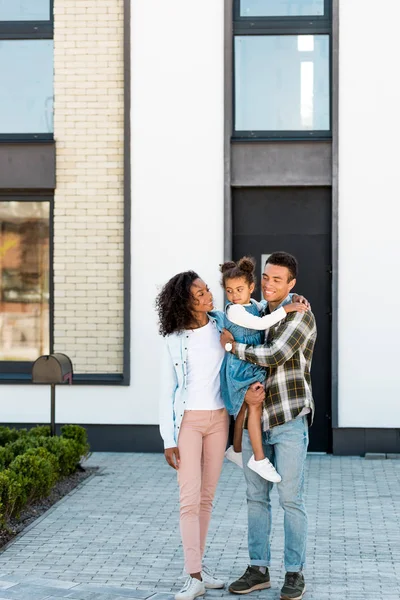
[(116, 537)]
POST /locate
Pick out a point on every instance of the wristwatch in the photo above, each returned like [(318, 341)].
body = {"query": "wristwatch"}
[(228, 347)]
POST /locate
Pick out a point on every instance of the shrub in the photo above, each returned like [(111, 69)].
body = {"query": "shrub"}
[(31, 462), (20, 446), (79, 435), (12, 495), (8, 435), (4, 454), (36, 473), (50, 458), (40, 431), (67, 453)]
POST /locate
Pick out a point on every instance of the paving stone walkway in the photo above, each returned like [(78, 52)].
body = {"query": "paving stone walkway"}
[(116, 537)]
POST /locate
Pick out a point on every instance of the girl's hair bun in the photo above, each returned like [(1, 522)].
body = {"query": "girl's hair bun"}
[(227, 266), (247, 264)]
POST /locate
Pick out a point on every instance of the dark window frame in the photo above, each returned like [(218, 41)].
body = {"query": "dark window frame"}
[(28, 30), (275, 26), (19, 371)]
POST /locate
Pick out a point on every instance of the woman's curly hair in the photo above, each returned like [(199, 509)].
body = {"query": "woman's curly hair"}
[(173, 303)]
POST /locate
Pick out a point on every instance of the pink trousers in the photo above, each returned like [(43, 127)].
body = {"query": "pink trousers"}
[(202, 443)]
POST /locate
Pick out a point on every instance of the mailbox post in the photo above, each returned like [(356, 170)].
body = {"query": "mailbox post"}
[(52, 369)]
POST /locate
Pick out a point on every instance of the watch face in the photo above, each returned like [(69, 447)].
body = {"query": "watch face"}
[(228, 346)]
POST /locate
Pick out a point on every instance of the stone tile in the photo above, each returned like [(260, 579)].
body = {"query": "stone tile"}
[(118, 536)]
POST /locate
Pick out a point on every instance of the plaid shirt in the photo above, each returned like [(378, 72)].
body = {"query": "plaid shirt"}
[(287, 353)]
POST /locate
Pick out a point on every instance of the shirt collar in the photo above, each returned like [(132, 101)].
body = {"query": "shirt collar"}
[(287, 300)]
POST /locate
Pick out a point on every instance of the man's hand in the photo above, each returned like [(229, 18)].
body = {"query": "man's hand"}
[(172, 457), (302, 300), (226, 336), (255, 394)]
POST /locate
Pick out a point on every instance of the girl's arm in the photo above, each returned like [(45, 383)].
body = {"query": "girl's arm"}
[(239, 315)]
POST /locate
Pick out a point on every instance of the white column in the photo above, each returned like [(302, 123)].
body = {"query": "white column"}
[(369, 237)]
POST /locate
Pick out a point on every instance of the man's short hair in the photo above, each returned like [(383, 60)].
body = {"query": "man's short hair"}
[(284, 259)]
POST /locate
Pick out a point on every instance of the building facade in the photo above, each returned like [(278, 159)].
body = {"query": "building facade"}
[(139, 138)]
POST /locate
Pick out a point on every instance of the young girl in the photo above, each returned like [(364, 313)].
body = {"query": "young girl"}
[(245, 324)]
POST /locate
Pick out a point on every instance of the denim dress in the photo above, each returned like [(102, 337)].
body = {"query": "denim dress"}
[(236, 374)]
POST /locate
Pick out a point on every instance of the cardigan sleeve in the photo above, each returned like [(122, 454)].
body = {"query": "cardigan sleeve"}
[(169, 384)]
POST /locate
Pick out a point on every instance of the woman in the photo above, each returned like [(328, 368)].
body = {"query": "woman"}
[(193, 421)]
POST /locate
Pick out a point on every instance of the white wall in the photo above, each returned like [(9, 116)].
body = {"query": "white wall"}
[(369, 211), (177, 197)]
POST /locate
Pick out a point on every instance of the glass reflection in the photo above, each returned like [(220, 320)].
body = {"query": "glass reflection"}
[(24, 280), (26, 99), (281, 8), (282, 83), (24, 10)]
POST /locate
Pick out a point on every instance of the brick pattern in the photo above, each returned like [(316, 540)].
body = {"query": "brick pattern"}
[(89, 201)]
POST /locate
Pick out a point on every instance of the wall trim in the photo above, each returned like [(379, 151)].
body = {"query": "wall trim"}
[(113, 438), (228, 125), (28, 166), (282, 163), (358, 441), (127, 193), (335, 212)]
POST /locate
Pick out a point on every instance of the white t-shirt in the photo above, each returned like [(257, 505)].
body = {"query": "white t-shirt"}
[(205, 356)]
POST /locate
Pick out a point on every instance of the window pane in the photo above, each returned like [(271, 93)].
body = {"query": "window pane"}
[(281, 8), (24, 10), (282, 83), (24, 280), (26, 98)]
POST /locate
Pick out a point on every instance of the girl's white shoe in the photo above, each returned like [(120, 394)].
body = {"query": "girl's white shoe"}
[(235, 457), (210, 581), (191, 589), (265, 469)]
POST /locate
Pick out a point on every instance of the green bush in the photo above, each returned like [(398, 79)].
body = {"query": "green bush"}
[(37, 474), (31, 463), (67, 453), (12, 495), (40, 431), (20, 446), (79, 435), (49, 457), (8, 435)]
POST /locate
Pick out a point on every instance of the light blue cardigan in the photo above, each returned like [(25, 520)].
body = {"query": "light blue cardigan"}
[(174, 381)]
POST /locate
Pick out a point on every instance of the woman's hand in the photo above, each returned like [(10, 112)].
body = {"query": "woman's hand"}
[(172, 457), (226, 337), (296, 298)]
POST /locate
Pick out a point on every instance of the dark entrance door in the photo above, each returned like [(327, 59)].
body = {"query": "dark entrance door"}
[(296, 220)]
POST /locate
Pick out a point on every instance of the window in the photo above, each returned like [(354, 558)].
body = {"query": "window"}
[(24, 283), (282, 69), (281, 8), (26, 65), (24, 10)]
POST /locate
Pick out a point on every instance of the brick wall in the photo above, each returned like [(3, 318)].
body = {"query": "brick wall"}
[(89, 209)]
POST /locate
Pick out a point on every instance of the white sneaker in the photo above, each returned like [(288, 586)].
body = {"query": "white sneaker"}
[(235, 457), (265, 469), (191, 589), (211, 582)]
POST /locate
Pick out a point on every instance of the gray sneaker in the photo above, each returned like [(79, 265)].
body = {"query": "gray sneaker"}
[(294, 587), (250, 581)]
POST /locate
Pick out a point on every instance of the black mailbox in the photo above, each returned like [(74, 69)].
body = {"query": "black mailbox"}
[(52, 368)]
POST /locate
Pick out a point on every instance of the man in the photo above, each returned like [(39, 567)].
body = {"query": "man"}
[(288, 404)]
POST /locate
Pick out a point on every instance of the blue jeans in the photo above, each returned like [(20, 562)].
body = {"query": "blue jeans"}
[(286, 447)]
